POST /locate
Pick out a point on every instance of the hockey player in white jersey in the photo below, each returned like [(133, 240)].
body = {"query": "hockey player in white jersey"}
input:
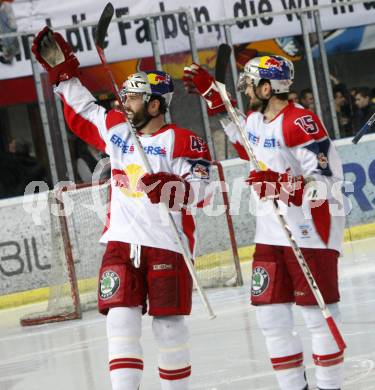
[(142, 268), (297, 158)]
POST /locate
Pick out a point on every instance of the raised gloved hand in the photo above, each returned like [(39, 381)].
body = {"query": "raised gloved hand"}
[(54, 53), (198, 80), (166, 187), (274, 185)]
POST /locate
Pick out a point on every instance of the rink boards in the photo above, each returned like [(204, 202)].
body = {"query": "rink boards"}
[(26, 262)]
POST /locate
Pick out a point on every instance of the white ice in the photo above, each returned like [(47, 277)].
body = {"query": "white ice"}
[(228, 353)]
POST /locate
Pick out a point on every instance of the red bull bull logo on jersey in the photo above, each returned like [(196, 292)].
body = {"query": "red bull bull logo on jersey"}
[(128, 180)]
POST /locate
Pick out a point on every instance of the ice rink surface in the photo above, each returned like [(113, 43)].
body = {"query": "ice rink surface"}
[(228, 353)]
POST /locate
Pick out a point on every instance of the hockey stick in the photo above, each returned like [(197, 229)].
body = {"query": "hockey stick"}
[(224, 52), (101, 32), (364, 129)]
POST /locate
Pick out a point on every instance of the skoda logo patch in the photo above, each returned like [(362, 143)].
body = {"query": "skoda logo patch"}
[(109, 284), (260, 281)]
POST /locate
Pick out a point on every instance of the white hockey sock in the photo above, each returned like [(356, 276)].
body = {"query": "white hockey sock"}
[(283, 344), (171, 335), (328, 359), (124, 329)]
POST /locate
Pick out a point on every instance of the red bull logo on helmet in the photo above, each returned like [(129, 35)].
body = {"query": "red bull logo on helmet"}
[(155, 78), (271, 62)]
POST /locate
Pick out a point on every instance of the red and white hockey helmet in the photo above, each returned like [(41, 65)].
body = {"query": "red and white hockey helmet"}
[(150, 83), (278, 70)]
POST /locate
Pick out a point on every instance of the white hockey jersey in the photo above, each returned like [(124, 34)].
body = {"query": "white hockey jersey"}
[(296, 142), (132, 217)]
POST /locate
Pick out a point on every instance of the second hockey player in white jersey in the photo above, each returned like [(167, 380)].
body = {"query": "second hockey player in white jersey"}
[(300, 168), (142, 268)]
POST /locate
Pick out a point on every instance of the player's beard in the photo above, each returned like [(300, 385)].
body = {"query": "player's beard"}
[(255, 104), (259, 102), (140, 118)]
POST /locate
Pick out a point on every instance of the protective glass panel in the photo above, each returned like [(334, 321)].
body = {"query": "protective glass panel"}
[(215, 249), (350, 53)]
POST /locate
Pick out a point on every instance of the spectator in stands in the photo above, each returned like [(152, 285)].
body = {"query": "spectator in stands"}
[(353, 107), (307, 99), (353, 92), (87, 159), (32, 169), (293, 96), (348, 109), (10, 45), (342, 111), (373, 95), (11, 176), (365, 109)]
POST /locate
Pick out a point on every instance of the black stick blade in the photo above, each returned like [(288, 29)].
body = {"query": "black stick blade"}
[(222, 59), (102, 27)]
